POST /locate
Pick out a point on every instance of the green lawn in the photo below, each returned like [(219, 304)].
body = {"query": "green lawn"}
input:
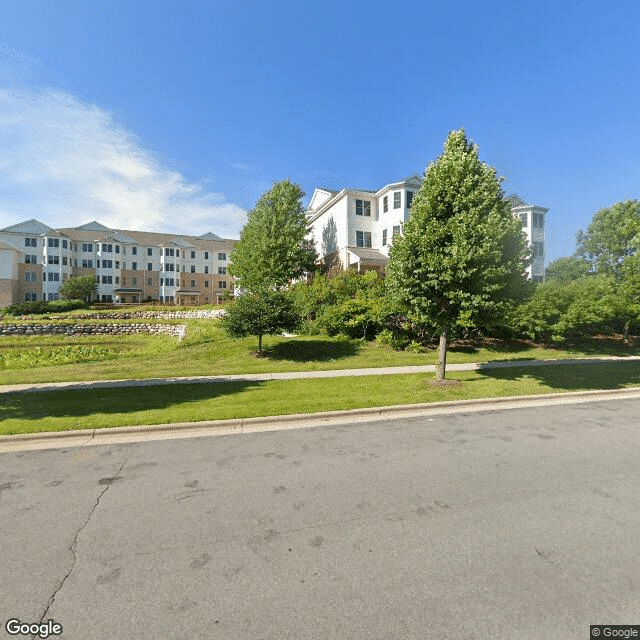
[(87, 409), (207, 351)]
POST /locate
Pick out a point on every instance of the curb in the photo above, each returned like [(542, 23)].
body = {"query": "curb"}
[(239, 426)]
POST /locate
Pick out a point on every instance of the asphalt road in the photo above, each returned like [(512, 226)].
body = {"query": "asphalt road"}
[(518, 524)]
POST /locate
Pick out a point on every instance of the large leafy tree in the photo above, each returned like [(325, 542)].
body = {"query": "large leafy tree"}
[(568, 269), (79, 288), (612, 236), (265, 312), (272, 250), (461, 259)]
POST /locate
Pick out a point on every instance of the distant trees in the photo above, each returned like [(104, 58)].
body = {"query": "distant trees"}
[(79, 288), (461, 258), (568, 269)]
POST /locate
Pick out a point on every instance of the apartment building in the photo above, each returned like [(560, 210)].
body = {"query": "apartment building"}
[(129, 266), (354, 228)]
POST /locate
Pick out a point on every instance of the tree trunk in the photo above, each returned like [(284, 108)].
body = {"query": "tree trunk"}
[(442, 355), (260, 343), (626, 332)]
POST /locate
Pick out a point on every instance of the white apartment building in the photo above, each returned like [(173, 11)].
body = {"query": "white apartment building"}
[(129, 266), (354, 228)]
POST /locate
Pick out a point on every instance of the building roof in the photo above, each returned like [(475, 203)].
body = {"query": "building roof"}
[(368, 256), (30, 226)]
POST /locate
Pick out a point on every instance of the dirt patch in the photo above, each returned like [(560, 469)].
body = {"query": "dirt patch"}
[(445, 383)]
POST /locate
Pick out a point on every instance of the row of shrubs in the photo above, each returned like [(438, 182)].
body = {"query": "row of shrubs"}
[(39, 307), (550, 312)]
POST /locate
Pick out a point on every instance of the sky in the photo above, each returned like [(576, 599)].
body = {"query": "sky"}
[(175, 116)]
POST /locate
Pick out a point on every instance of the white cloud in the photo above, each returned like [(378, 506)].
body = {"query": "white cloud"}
[(66, 162)]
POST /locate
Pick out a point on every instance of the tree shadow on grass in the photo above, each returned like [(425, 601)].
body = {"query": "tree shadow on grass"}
[(573, 377), (312, 350), (78, 404)]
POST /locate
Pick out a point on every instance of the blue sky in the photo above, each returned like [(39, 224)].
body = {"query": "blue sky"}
[(176, 116)]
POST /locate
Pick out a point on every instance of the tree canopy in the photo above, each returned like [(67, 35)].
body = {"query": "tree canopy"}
[(79, 288), (568, 269), (461, 258), (613, 235), (272, 250)]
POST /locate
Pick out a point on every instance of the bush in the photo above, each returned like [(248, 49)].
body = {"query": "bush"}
[(38, 307)]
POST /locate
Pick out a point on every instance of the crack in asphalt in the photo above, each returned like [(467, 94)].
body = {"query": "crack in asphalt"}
[(74, 543)]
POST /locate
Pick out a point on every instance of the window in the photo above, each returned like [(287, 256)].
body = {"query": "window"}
[(206, 255), (161, 282), (206, 284), (64, 244), (363, 208), (75, 246), (107, 279), (87, 264), (384, 237), (28, 259), (222, 271), (149, 251), (206, 269), (117, 248), (30, 242), (118, 264), (538, 250), (193, 268), (169, 252), (385, 204), (523, 218), (178, 253), (177, 267), (118, 280), (53, 277), (134, 251), (222, 284), (193, 283), (396, 199), (149, 266), (222, 256), (107, 248), (134, 266), (149, 281), (30, 296), (396, 229), (538, 220), (169, 266), (53, 259), (193, 254), (87, 248), (52, 296), (30, 276), (363, 238), (53, 242), (134, 282), (409, 199), (64, 260), (107, 264)]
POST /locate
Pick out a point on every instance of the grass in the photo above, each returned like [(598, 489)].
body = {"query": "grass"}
[(207, 351), (94, 409)]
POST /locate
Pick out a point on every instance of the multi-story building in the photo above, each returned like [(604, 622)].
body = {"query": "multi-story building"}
[(354, 228), (129, 266)]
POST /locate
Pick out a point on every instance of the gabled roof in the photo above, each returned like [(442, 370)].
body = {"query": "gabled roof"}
[(516, 200), (92, 226), (30, 226), (181, 242), (368, 256), (209, 236), (121, 237)]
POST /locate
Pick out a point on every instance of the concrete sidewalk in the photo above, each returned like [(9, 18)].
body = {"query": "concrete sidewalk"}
[(294, 375)]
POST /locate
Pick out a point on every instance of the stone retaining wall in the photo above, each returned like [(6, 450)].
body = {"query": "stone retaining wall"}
[(178, 330), (165, 315)]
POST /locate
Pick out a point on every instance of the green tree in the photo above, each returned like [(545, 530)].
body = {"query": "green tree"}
[(272, 250), (461, 258), (79, 288), (258, 314), (628, 293), (568, 269), (614, 234)]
